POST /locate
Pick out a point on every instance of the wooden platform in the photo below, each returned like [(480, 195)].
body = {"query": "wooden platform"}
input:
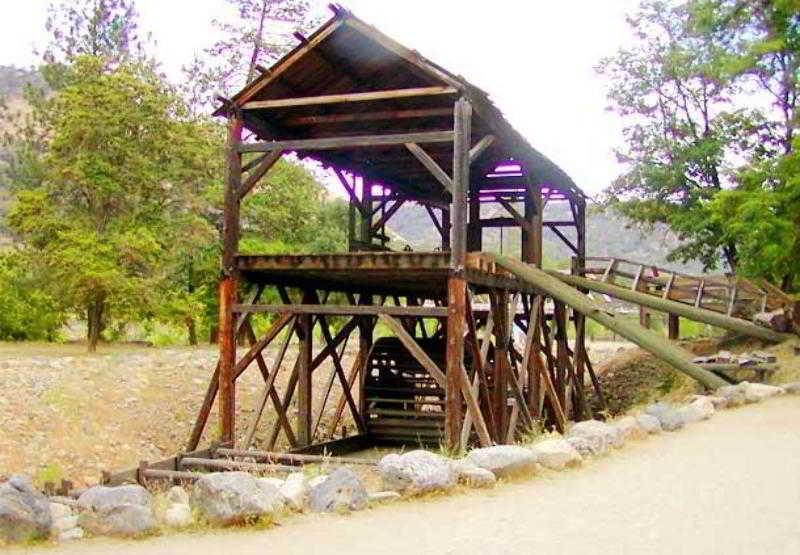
[(400, 273)]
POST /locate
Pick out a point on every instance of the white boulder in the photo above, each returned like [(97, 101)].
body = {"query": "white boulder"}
[(556, 454), (417, 472), (504, 460)]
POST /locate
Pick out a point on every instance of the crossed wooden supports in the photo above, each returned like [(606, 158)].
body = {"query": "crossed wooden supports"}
[(502, 391)]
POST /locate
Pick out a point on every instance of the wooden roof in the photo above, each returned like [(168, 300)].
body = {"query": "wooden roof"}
[(346, 55)]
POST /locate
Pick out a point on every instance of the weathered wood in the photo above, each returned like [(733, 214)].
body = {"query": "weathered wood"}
[(260, 171), (233, 184), (347, 98), (674, 307), (226, 464), (227, 358), (344, 310), (383, 115), (329, 143), (431, 165), (646, 339), (291, 458), (305, 417), (454, 360), (413, 347), (480, 147), (462, 131)]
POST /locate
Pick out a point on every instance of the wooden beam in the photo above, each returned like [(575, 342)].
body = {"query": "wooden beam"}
[(343, 310), (368, 116), (260, 171), (347, 98), (480, 147), (462, 131), (331, 143), (387, 215), (518, 218), (431, 165), (413, 347)]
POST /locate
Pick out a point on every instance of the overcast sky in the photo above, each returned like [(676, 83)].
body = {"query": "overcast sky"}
[(536, 58)]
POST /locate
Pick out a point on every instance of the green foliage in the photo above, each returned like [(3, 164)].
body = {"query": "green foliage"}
[(700, 158), (29, 312)]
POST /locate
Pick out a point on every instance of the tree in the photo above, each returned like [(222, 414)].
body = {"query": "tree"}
[(116, 185), (682, 134), (259, 35)]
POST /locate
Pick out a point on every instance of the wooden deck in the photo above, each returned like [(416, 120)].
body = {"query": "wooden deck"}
[(398, 273)]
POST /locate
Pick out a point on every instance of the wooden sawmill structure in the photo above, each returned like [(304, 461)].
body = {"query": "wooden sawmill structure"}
[(397, 129)]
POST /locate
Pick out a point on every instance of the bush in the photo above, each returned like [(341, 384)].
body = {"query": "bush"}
[(28, 312)]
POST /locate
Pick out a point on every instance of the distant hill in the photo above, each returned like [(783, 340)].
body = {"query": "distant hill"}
[(608, 234), (12, 85)]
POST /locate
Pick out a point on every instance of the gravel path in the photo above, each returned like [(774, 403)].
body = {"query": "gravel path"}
[(728, 485)]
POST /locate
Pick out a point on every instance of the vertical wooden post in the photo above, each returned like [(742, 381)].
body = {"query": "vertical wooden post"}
[(446, 227), (456, 321), (673, 327), (305, 418), (456, 286), (365, 328), (458, 208), (580, 356), (227, 288), (474, 232), (644, 317), (366, 218), (499, 309)]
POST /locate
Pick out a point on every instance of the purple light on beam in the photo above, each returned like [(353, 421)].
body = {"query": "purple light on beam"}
[(508, 168), (506, 174)]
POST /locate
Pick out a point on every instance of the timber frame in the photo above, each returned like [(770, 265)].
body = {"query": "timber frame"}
[(481, 355)]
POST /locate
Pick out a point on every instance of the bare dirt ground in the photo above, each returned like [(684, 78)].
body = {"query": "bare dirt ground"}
[(68, 414), (728, 485)]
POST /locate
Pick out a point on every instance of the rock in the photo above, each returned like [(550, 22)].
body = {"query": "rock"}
[(383, 496), (649, 423), (717, 402), (704, 406), (668, 417), (417, 472), (63, 524), (342, 490), (601, 436), (504, 460), (76, 533), (473, 476), (317, 480), (556, 454), (694, 412), (277, 482), (792, 388), (629, 427), (583, 446), (24, 512), (178, 495), (123, 511), (734, 396), (755, 392), (178, 515), (226, 498), (295, 491), (59, 510)]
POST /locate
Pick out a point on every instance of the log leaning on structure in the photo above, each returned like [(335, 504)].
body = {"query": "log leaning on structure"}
[(672, 307), (644, 338)]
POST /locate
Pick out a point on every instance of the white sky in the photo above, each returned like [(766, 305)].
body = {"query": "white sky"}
[(535, 58)]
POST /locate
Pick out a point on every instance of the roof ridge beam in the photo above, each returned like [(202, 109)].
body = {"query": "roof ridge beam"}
[(331, 143)]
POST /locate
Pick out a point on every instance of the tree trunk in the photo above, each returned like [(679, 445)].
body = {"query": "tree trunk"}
[(191, 330), (94, 319)]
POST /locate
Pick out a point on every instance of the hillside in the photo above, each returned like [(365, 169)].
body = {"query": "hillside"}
[(607, 235)]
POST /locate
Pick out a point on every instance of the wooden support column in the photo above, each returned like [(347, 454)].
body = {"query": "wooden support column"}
[(458, 207), (501, 363), (305, 417), (227, 288), (366, 214), (365, 329), (474, 231), (673, 326), (446, 227), (456, 320)]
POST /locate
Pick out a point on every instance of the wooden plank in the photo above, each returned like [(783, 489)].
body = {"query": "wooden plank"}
[(480, 147), (260, 171), (367, 116), (462, 130), (344, 310), (454, 360), (370, 96), (331, 143), (413, 347), (431, 165)]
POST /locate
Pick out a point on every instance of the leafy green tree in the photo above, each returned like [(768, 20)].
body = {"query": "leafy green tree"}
[(682, 134), (115, 188), (29, 311)]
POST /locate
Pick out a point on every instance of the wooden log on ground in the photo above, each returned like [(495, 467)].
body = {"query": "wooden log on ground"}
[(291, 458), (646, 339), (225, 464)]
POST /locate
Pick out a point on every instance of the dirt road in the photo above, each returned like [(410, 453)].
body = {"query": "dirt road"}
[(728, 485)]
